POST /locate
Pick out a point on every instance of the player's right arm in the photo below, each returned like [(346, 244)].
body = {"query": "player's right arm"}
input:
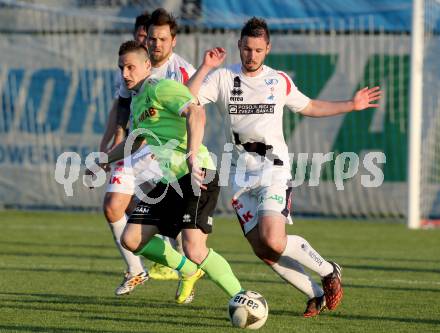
[(212, 59), (122, 118)]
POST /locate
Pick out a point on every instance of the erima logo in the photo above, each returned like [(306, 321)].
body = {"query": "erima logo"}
[(236, 91), (186, 218), (142, 209)]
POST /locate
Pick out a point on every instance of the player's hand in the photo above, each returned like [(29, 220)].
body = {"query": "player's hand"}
[(214, 57), (363, 98), (105, 166), (197, 174)]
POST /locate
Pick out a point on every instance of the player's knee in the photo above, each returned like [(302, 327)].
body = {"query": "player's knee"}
[(130, 240), (195, 252), (273, 243), (113, 210), (128, 243), (267, 253)]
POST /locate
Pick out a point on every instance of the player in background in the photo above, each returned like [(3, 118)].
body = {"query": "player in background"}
[(166, 111), (117, 199), (252, 96), (158, 32)]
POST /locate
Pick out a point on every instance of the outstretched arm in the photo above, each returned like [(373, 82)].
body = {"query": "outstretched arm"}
[(363, 99), (212, 59)]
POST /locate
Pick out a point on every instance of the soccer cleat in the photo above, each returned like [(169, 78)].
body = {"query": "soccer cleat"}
[(332, 285), (185, 288), (161, 272), (130, 282), (315, 306)]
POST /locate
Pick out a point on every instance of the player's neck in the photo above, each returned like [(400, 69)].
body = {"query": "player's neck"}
[(160, 63), (138, 86), (251, 73)]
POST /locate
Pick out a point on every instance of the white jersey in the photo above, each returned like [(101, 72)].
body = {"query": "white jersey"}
[(175, 68), (253, 107)]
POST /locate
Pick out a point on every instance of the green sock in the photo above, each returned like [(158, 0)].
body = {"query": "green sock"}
[(162, 252), (221, 273)]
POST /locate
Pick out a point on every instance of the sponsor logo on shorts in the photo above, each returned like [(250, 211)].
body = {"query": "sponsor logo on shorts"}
[(115, 180), (251, 108), (142, 209)]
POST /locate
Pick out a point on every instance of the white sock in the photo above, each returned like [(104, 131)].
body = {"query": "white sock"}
[(292, 272), (300, 250), (134, 263)]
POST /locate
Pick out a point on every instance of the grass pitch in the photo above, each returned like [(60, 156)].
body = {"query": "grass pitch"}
[(58, 272)]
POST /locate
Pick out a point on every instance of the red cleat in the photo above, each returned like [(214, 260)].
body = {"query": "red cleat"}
[(332, 285)]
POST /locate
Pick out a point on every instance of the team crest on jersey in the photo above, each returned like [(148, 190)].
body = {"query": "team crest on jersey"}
[(236, 91), (271, 82), (171, 75)]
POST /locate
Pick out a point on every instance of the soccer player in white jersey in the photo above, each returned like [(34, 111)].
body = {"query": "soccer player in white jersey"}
[(121, 186), (252, 96)]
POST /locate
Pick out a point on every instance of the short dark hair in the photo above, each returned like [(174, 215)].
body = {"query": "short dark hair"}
[(142, 21), (255, 27), (132, 46), (161, 17)]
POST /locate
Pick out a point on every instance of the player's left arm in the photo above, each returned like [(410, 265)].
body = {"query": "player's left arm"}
[(195, 129), (363, 99)]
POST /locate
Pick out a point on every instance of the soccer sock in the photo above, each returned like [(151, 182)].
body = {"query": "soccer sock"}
[(159, 251), (291, 271), (300, 250), (134, 263), (221, 273), (169, 240)]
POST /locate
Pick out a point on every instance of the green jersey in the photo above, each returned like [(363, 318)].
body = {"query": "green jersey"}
[(157, 108)]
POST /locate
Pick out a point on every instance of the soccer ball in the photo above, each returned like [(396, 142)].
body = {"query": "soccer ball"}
[(248, 309)]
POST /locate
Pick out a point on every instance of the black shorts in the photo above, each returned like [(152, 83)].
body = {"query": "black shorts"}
[(174, 213)]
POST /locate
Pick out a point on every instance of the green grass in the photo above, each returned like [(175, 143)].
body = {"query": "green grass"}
[(58, 272)]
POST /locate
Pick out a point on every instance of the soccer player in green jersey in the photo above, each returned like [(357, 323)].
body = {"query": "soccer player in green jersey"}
[(173, 125)]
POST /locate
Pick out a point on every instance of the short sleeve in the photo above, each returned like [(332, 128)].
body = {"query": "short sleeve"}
[(173, 96), (210, 88), (296, 101)]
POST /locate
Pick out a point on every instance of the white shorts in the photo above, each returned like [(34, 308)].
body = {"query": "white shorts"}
[(132, 171), (251, 203)]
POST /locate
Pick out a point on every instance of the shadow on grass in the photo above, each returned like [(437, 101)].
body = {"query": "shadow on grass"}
[(168, 320), (432, 261), (390, 319), (103, 314), (60, 255), (60, 270), (392, 269), (63, 245), (45, 299), (29, 328), (357, 286)]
